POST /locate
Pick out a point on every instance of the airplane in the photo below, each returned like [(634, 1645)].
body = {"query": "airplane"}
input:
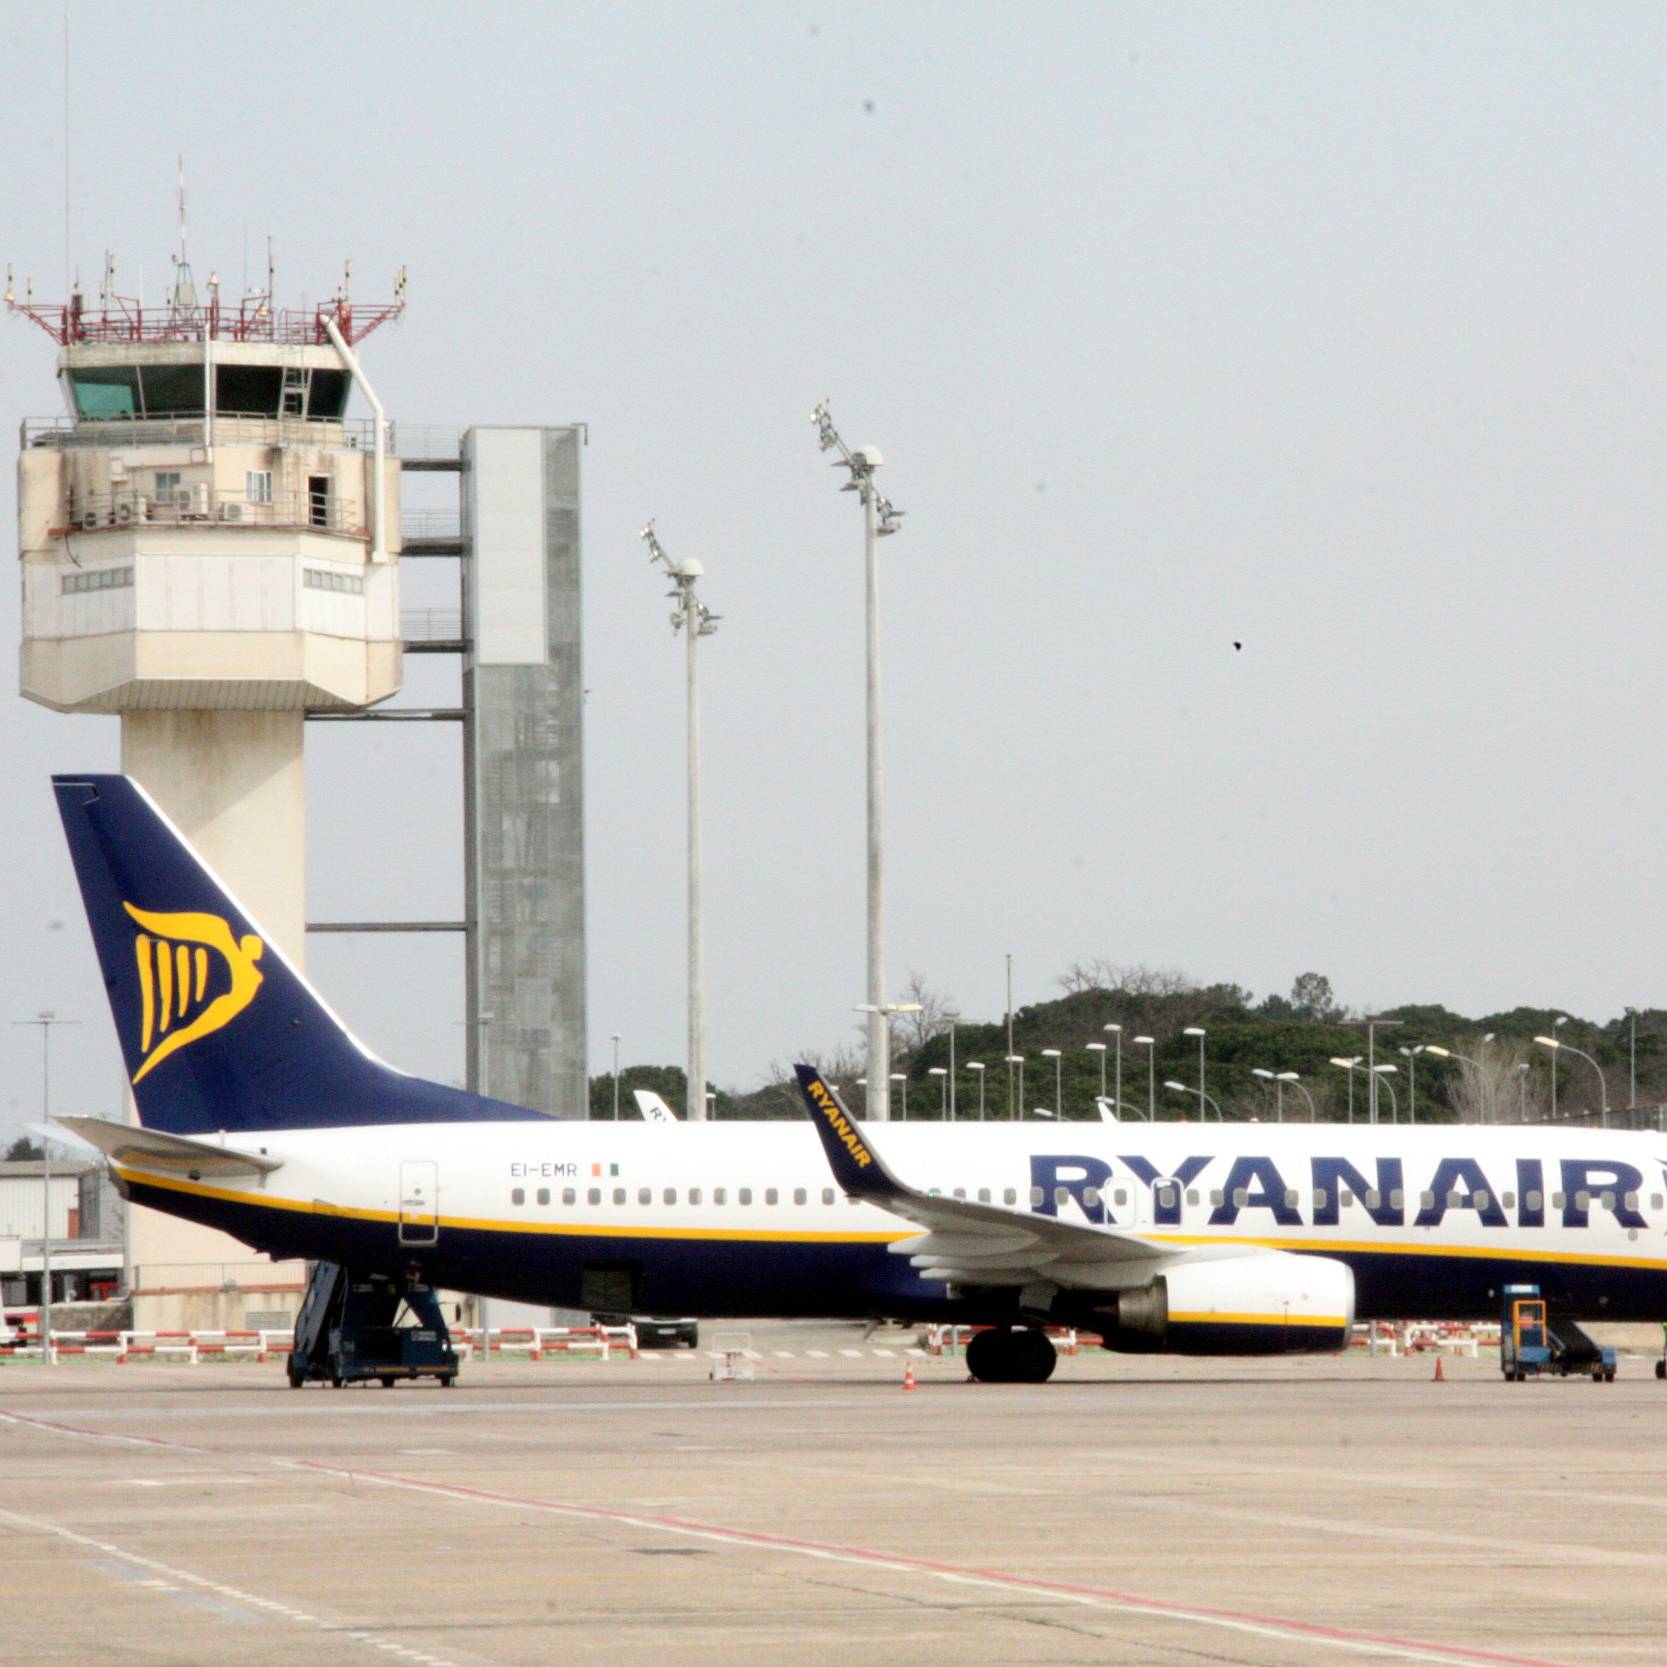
[(653, 1108), (260, 1113)]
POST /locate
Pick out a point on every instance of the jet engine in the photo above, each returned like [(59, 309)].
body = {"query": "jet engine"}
[(1270, 1302)]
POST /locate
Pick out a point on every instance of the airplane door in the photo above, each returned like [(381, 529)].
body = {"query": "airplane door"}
[(419, 1201)]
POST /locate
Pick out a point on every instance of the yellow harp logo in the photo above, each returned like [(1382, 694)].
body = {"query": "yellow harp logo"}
[(176, 955)]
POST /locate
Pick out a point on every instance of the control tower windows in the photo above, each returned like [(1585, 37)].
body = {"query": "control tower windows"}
[(248, 390), (172, 390), (106, 391), (327, 397)]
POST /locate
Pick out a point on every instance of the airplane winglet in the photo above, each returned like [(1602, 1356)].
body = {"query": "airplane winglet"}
[(856, 1166)]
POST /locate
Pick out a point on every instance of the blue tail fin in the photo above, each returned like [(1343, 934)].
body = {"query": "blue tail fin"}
[(217, 1029)]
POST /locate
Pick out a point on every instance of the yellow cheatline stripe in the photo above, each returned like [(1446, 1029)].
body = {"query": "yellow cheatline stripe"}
[(558, 1229), (147, 995), (1318, 1247), (1334, 1322)]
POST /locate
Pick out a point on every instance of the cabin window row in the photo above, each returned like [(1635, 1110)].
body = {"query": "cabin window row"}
[(671, 1195)]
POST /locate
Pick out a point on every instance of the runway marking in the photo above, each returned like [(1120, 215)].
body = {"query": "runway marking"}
[(163, 1578), (1268, 1626)]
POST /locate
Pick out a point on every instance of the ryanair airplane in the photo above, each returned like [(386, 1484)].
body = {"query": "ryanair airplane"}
[(260, 1113)]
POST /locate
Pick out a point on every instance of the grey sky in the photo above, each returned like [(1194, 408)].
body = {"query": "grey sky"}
[(1338, 331)]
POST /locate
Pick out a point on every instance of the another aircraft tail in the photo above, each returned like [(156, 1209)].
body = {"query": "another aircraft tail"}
[(218, 1030)]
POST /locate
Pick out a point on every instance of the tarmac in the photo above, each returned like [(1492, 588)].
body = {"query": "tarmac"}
[(1133, 1511)]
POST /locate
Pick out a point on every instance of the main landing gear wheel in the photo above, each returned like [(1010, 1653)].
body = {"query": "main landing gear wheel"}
[(1002, 1356)]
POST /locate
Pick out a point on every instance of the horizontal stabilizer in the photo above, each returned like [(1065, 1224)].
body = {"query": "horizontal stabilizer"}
[(176, 1154)]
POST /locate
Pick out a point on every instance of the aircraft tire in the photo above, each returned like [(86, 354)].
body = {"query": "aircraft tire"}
[(1003, 1356)]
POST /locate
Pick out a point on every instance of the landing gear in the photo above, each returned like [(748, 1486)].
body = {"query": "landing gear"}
[(1003, 1356)]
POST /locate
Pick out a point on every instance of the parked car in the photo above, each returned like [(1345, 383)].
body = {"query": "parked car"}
[(654, 1332)]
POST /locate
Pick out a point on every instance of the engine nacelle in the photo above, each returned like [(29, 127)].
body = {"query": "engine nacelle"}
[(1268, 1303)]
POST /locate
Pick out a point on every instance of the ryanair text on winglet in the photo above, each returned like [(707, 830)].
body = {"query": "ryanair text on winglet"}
[(837, 1121)]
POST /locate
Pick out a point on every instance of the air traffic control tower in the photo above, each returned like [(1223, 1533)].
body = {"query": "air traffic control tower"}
[(210, 550)]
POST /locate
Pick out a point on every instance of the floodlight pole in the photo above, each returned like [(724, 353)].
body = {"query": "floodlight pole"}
[(43, 1322), (879, 521), (692, 617)]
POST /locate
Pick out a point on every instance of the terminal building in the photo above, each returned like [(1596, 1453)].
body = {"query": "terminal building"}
[(211, 547)]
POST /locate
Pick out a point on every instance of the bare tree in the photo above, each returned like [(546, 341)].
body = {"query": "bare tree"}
[(937, 1013), (1487, 1085), (1135, 980)]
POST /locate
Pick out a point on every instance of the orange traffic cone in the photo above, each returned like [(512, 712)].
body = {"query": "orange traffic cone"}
[(1440, 1375), (909, 1376)]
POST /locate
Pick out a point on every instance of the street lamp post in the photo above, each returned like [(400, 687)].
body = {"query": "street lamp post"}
[(615, 1040), (1557, 1047), (1412, 1079), (1477, 1066), (1150, 1045), (1013, 1059), (1349, 1066), (1206, 1102), (879, 1107), (1278, 1081), (943, 1091), (1116, 1034), (1293, 1078), (1101, 1049), (978, 1066), (1195, 1030), (45, 1020), (1556, 1025), (1058, 1079), (1384, 1072), (902, 1077), (880, 520), (695, 620)]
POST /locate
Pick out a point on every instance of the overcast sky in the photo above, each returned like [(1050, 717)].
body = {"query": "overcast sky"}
[(1337, 331)]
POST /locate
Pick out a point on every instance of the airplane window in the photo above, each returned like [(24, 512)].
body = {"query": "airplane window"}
[(1241, 1196), (960, 1192), (719, 1195), (518, 1196), (669, 1196), (1292, 1198), (743, 1195), (827, 1195), (645, 1195), (799, 1195), (1480, 1199), (1655, 1201), (1508, 1200), (569, 1196), (1216, 1199), (1631, 1201), (619, 1195), (1010, 1196), (694, 1195), (1397, 1198), (1192, 1195), (1607, 1200), (1559, 1200), (983, 1195), (1121, 1197), (1319, 1197), (1091, 1197), (1165, 1194), (769, 1195), (1454, 1199), (544, 1195), (1534, 1200), (1035, 1198), (1426, 1201), (1061, 1195), (1373, 1199), (1583, 1200), (594, 1195), (1345, 1197)]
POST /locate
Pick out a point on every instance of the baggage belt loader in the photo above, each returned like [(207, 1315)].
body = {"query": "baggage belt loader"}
[(1532, 1343)]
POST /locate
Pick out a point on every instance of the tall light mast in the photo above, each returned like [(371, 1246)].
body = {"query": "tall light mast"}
[(880, 520), (695, 620)]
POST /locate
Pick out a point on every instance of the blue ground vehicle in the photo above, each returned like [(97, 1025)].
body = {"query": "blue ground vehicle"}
[(1532, 1343)]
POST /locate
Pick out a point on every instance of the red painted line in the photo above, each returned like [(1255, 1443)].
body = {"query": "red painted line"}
[(1310, 1631)]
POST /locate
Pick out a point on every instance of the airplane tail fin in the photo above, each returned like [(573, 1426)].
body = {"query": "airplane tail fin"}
[(217, 1029), (653, 1108)]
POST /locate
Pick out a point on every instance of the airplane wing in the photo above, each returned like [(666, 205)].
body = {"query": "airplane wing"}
[(171, 1153), (967, 1243)]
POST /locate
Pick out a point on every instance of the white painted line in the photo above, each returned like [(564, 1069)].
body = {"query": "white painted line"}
[(817, 1354), (885, 1354), (165, 1578), (852, 1354), (783, 1354)]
